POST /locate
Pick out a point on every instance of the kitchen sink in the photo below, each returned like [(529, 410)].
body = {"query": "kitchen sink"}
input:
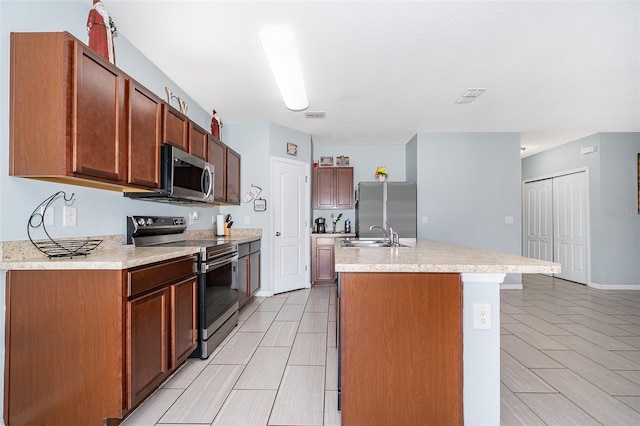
[(368, 243)]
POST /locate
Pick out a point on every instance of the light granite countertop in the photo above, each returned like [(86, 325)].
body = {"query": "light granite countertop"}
[(112, 254), (435, 256)]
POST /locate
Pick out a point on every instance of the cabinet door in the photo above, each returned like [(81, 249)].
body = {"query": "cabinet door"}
[(147, 343), (233, 177), (218, 157), (323, 188), (344, 188), (144, 136), (254, 266), (198, 141), (184, 336), (175, 127), (324, 267), (99, 148), (243, 280)]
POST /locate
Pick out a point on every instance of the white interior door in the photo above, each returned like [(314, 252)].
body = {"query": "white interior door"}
[(291, 237), (570, 226), (538, 232)]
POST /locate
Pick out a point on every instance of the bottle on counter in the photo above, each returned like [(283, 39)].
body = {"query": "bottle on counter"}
[(347, 226)]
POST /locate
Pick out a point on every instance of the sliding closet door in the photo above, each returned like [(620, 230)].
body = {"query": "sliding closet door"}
[(570, 227), (538, 232)]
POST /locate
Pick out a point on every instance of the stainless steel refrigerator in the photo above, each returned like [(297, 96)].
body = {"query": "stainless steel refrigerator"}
[(382, 203)]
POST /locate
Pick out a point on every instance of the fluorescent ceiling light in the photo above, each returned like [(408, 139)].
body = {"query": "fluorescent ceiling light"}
[(280, 47)]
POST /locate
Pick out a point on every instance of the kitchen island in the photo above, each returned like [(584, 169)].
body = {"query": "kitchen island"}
[(409, 350)]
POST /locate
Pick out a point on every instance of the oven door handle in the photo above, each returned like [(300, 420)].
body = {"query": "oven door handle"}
[(218, 263)]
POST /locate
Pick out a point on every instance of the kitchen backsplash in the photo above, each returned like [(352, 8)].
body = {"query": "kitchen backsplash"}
[(20, 250)]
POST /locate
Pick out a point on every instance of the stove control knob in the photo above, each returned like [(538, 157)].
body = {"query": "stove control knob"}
[(141, 221), (149, 221)]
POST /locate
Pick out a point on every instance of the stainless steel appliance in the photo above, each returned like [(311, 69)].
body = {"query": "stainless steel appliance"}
[(386, 204), (184, 179), (217, 274)]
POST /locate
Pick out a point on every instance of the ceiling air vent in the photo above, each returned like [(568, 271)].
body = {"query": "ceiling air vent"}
[(318, 115), (469, 96)]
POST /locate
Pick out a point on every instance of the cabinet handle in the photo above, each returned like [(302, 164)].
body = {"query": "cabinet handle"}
[(277, 234)]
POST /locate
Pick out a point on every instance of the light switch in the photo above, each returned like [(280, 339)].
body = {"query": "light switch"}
[(508, 220), (425, 219)]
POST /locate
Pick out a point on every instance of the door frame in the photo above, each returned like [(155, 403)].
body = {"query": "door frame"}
[(587, 213), (307, 216)]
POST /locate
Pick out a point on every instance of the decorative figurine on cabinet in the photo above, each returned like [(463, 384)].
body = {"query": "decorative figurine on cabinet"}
[(101, 28), (215, 125)]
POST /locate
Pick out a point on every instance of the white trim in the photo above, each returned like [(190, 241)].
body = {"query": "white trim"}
[(263, 293), (307, 216), (614, 286), (511, 286)]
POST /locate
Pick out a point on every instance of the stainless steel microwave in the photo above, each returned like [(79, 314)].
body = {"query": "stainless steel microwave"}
[(184, 179)]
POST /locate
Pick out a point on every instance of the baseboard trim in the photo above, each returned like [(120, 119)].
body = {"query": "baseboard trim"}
[(614, 286), (263, 293), (511, 286)]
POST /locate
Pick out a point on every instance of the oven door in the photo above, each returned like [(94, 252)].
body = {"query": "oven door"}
[(218, 301)]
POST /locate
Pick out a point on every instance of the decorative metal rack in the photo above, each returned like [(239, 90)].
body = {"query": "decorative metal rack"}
[(57, 248)]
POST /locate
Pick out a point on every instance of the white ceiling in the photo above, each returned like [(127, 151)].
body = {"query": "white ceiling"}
[(383, 71)]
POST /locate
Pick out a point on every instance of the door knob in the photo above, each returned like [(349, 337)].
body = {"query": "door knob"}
[(277, 234)]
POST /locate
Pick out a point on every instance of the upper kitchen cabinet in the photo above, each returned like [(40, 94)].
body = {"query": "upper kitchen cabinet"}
[(233, 177), (198, 140), (175, 127), (218, 157), (332, 188), (226, 161), (65, 119), (145, 134), (71, 118)]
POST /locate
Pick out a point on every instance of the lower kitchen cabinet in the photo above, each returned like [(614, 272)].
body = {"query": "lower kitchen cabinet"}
[(86, 346), (248, 270), (322, 256), (147, 338)]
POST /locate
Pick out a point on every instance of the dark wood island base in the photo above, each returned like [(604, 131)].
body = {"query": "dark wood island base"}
[(400, 348)]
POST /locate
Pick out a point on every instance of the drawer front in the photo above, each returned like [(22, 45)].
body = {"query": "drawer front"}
[(324, 241), (157, 275), (254, 246), (244, 249)]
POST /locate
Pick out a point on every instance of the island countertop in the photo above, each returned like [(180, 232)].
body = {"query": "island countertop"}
[(435, 256)]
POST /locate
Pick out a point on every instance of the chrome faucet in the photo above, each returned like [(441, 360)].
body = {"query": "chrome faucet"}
[(384, 232), (392, 237)]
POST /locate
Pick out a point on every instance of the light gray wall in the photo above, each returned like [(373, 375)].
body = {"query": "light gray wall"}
[(467, 184), (411, 159), (99, 212), (257, 142), (364, 159), (614, 226)]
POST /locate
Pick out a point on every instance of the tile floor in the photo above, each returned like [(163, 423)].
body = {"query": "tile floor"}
[(570, 356), (277, 367)]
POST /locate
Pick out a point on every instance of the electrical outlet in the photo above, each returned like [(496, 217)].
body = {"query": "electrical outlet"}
[(247, 219), (425, 219), (69, 216), (47, 215), (508, 220), (482, 316)]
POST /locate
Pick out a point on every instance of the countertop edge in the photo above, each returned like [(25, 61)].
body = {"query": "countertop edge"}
[(116, 258), (427, 256)]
